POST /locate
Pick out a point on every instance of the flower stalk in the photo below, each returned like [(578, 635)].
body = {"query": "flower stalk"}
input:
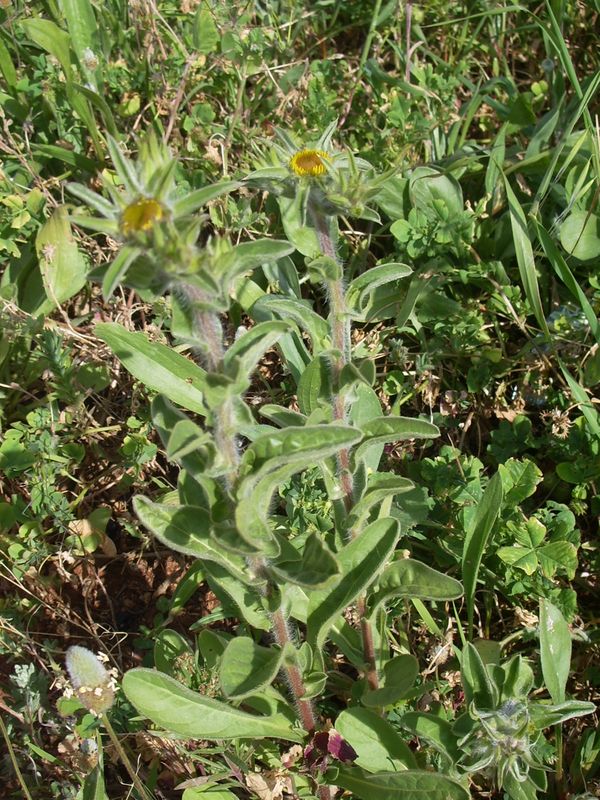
[(135, 778), (208, 329)]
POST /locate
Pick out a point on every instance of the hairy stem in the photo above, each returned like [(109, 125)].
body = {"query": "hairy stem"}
[(208, 327), (304, 706), (296, 683), (340, 330), (209, 331), (559, 759), (340, 335), (368, 645)]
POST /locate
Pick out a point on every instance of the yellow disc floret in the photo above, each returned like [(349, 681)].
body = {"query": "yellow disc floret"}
[(309, 162), (141, 215)]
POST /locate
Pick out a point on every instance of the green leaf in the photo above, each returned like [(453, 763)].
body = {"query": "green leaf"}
[(383, 430), (300, 313), (360, 562), (157, 366), (304, 444), (184, 441), (62, 266), (281, 416), (523, 558), (558, 557), (272, 459), (588, 409), (79, 104), (93, 786), (555, 650), (178, 709), (428, 185), (437, 731), (169, 647), (405, 785), (391, 197), (477, 538), (564, 273), (267, 174), (250, 296), (47, 35), (580, 235), (494, 168), (399, 675), (247, 256), (205, 34), (117, 271), (246, 599), (381, 485), (100, 104), (211, 646), (314, 387), (360, 291), (313, 567), (531, 534), (7, 68), (186, 587), (207, 793), (293, 218), (192, 201), (477, 684), (519, 480), (71, 157), (543, 716), (378, 744), (15, 457), (186, 529), (518, 678), (246, 667), (249, 348), (520, 110), (410, 578), (366, 407), (190, 446), (81, 23), (92, 199), (519, 790), (124, 167)]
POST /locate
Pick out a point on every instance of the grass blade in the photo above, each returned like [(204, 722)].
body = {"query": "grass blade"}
[(476, 540), (561, 268), (525, 258)]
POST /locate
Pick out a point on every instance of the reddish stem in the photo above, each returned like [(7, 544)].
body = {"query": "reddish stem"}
[(305, 709)]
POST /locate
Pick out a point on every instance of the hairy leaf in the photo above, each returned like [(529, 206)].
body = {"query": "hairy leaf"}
[(176, 708)]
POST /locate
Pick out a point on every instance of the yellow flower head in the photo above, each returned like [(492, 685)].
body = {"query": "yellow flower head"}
[(309, 162), (141, 215)]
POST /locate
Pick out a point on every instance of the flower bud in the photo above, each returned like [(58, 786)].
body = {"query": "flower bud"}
[(92, 683), (89, 59)]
